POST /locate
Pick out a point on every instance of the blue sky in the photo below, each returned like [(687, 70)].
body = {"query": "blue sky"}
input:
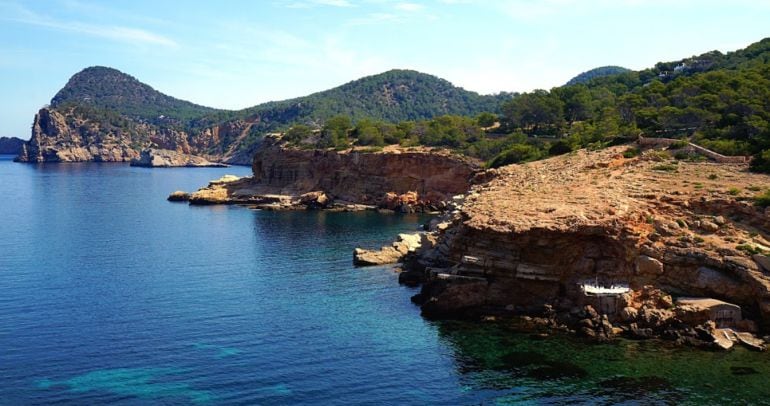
[(235, 54)]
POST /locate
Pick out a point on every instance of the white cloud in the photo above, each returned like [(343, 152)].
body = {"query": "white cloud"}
[(375, 18), (409, 6), (113, 32), (334, 3)]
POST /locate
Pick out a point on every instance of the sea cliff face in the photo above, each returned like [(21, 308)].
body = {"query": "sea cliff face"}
[(67, 135), (395, 179), (534, 239), (363, 177)]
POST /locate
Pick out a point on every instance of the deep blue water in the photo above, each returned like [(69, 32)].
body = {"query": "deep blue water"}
[(111, 294)]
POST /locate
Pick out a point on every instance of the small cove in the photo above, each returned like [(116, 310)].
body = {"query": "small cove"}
[(111, 294)]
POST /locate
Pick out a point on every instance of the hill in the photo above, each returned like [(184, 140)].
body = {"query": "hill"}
[(587, 76), (104, 114), (110, 89), (10, 145)]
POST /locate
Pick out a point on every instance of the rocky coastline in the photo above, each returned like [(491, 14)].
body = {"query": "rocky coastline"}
[(602, 246), (164, 158), (70, 135), (402, 180)]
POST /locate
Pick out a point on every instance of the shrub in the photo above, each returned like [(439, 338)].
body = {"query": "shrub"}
[(515, 154), (665, 168), (763, 199), (631, 152)]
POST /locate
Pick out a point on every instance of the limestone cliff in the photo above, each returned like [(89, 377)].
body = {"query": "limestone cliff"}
[(391, 178), (71, 134), (362, 176), (164, 158), (536, 235)]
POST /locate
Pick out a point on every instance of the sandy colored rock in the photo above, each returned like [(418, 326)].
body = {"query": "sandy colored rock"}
[(178, 196), (165, 158), (540, 229)]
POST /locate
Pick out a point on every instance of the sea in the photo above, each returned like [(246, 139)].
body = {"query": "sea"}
[(109, 294)]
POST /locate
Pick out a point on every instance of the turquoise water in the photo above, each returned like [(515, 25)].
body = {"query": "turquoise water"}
[(111, 295)]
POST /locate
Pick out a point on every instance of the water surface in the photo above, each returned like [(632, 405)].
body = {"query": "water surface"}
[(110, 294)]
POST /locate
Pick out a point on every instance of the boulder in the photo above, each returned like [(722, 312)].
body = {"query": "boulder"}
[(385, 255), (762, 261), (391, 254), (314, 200), (178, 196), (648, 266)]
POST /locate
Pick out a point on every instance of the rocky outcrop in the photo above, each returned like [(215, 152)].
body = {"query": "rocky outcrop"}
[(395, 179), (390, 254), (178, 196), (73, 135), (363, 177), (58, 137), (164, 158), (532, 237), (11, 145)]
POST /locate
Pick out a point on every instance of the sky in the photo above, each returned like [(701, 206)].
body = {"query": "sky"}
[(234, 54)]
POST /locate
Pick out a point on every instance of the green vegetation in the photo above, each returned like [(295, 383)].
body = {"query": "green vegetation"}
[(665, 168), (594, 73), (631, 153), (720, 101), (750, 249), (762, 199)]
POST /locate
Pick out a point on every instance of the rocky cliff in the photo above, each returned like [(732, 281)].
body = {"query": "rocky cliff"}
[(544, 237), (164, 158), (73, 134), (394, 178), (102, 114), (363, 176)]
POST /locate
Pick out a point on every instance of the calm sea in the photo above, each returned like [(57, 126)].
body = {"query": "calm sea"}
[(111, 294)]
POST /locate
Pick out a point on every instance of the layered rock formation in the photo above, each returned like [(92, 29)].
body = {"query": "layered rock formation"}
[(57, 137), (399, 179), (69, 135), (363, 177), (164, 158), (533, 237)]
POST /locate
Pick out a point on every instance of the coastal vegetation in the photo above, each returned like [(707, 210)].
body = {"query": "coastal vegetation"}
[(719, 101)]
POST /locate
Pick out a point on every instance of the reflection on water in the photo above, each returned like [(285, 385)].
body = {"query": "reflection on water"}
[(518, 367)]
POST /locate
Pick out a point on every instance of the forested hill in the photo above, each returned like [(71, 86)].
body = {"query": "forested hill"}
[(721, 101), (100, 106), (395, 95), (103, 88), (596, 73)]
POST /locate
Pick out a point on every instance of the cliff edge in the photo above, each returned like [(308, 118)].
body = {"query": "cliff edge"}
[(594, 237), (395, 178)]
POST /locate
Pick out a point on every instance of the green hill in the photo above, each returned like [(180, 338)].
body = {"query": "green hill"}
[(587, 76), (105, 88)]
